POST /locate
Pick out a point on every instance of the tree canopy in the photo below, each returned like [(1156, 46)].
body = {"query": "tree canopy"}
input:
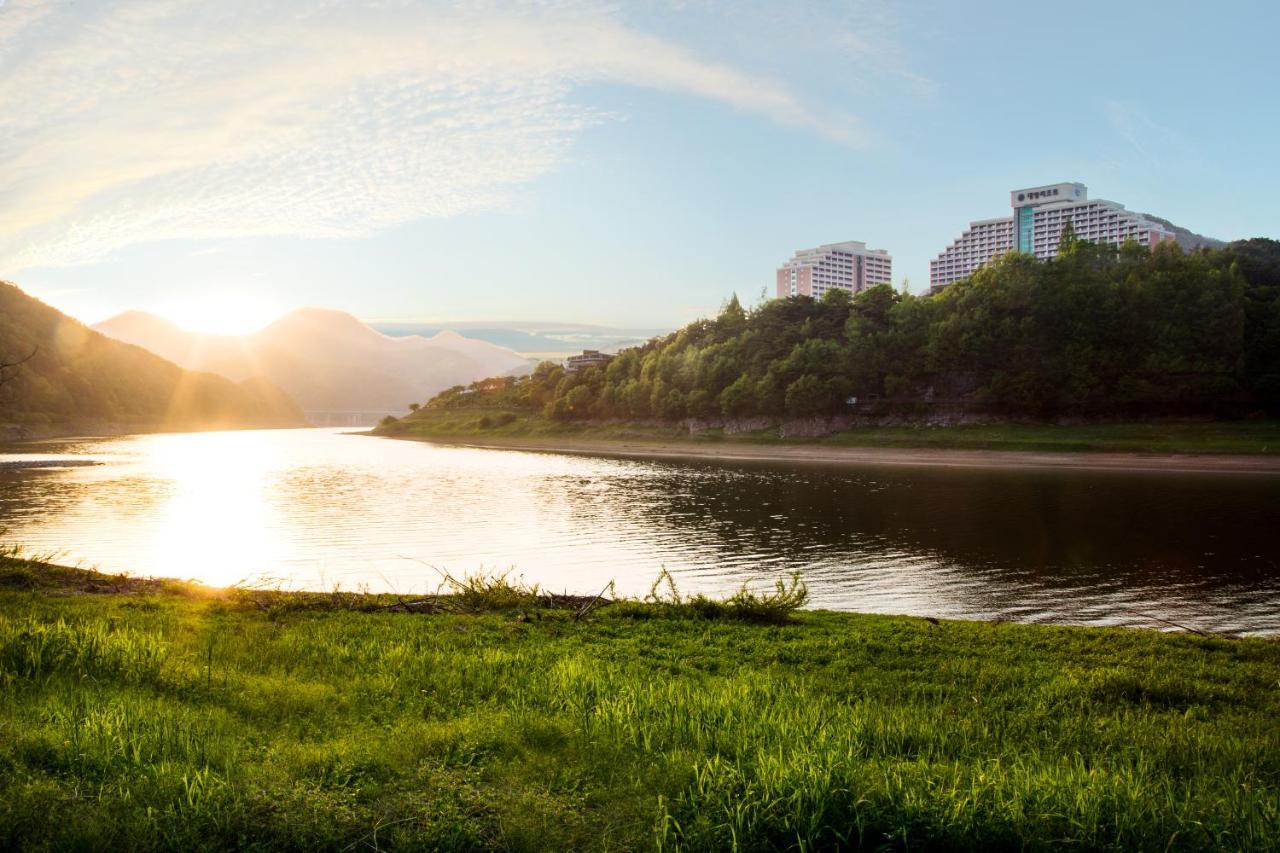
[(1097, 331)]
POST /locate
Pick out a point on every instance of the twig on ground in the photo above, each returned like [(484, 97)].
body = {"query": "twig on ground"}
[(592, 603)]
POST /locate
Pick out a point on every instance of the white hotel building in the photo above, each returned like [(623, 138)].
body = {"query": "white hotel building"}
[(847, 266), (1039, 215)]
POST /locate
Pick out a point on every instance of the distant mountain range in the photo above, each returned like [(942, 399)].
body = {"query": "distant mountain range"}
[(1188, 239), (542, 339), (77, 379), (327, 361)]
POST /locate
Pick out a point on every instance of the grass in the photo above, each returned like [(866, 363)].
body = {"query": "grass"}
[(1234, 437), (491, 424), (494, 716), (1241, 437)]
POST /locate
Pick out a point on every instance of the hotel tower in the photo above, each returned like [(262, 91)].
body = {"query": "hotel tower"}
[(1039, 215), (847, 266)]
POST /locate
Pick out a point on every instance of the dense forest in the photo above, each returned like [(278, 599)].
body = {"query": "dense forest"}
[(1099, 331), (62, 375)]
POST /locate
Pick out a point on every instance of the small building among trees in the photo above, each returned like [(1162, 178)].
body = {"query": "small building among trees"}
[(589, 358)]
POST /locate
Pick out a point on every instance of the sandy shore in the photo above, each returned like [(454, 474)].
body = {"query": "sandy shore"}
[(14, 464), (888, 456)]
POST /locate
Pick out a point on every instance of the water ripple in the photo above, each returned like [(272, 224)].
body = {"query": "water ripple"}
[(314, 508)]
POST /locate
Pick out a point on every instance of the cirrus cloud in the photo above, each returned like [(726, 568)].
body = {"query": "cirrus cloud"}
[(130, 122)]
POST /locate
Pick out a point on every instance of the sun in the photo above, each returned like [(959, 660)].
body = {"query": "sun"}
[(221, 313)]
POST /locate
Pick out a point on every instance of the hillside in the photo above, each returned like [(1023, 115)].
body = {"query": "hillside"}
[(1187, 238), (1098, 333), (326, 360), (80, 379)]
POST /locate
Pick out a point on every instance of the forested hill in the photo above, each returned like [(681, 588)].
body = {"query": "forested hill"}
[(76, 378), (1098, 332)]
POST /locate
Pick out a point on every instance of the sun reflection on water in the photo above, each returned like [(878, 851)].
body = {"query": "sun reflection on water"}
[(219, 523), (315, 508)]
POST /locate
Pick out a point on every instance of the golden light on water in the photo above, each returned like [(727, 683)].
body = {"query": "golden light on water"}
[(218, 515), (315, 508)]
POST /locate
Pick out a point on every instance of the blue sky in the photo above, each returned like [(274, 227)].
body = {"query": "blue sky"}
[(613, 163)]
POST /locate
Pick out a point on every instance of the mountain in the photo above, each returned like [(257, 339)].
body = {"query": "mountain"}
[(541, 339), (327, 360), (1187, 239), (80, 379)]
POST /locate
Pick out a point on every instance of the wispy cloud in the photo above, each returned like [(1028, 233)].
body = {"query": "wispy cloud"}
[(850, 47), (156, 119), (1147, 138)]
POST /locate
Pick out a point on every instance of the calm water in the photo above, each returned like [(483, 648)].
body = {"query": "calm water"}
[(314, 508)]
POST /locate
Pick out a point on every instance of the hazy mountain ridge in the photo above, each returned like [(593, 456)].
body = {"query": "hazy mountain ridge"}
[(78, 378), (527, 338), (327, 360), (1187, 238)]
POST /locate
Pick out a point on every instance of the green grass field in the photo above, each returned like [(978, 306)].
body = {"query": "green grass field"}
[(163, 716), (1236, 437)]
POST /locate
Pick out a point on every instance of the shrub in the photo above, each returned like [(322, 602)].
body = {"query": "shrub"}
[(772, 607)]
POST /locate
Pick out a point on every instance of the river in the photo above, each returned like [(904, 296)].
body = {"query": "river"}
[(318, 508)]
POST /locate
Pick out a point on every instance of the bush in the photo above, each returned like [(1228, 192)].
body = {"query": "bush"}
[(496, 421), (773, 608)]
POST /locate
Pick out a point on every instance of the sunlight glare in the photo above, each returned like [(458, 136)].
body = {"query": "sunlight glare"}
[(221, 313), (219, 525)]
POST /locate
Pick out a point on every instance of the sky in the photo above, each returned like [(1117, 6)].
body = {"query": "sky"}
[(623, 164)]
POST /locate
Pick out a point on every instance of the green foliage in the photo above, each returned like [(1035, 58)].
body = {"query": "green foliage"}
[(152, 722), (1098, 331), (497, 421), (30, 649), (773, 607)]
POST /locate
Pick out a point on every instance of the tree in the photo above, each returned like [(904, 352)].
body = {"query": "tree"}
[(578, 401), (738, 397), (413, 407), (837, 297), (732, 319), (1097, 330), (9, 367), (1067, 240), (808, 395)]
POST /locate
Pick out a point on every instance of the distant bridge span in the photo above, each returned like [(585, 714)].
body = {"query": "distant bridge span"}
[(348, 417)]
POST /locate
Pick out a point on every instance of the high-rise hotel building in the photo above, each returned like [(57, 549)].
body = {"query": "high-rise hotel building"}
[(1039, 215), (847, 266)]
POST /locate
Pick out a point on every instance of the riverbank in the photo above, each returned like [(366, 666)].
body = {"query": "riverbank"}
[(1255, 437), (162, 715), (739, 450)]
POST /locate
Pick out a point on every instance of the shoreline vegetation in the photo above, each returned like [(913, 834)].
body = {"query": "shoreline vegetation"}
[(1098, 350), (1225, 447), (159, 714)]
